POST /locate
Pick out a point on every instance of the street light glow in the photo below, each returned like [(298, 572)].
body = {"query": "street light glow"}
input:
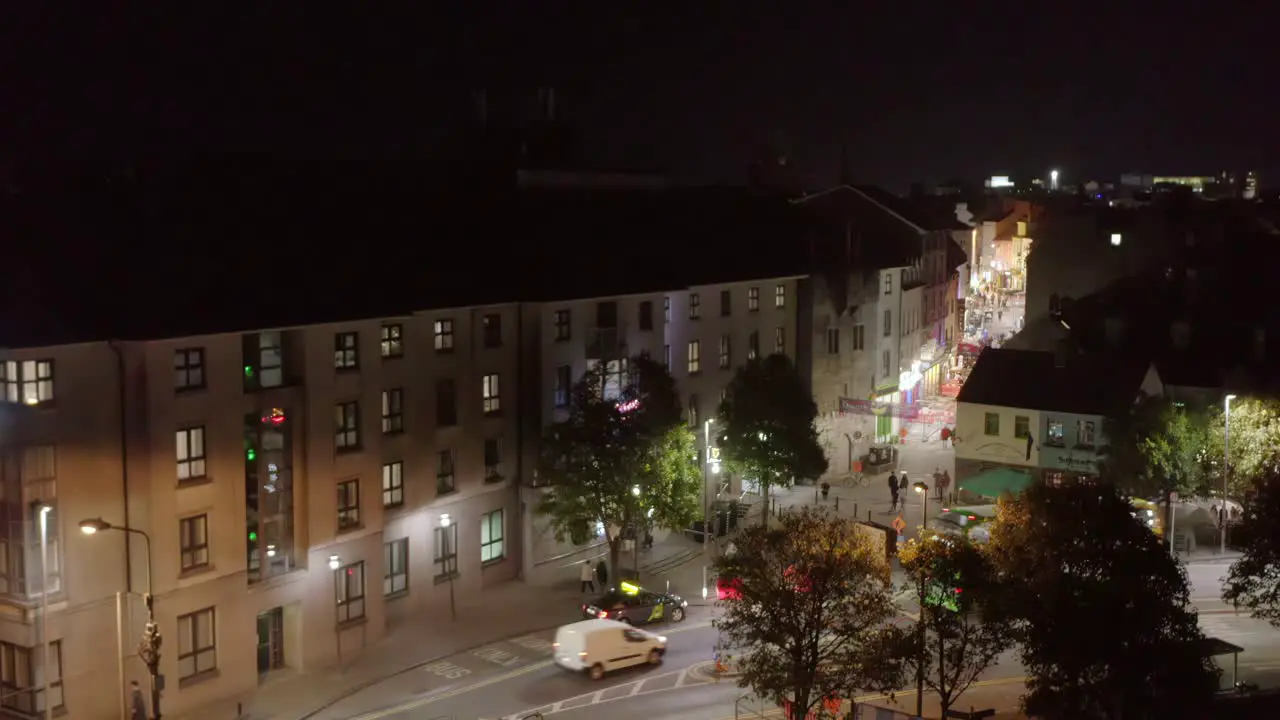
[(445, 520), (94, 525), (635, 490), (334, 562), (920, 487)]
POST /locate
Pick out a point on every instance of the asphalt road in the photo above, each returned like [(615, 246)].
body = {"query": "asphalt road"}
[(514, 678)]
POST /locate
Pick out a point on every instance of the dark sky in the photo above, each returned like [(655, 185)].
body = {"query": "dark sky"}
[(915, 91)]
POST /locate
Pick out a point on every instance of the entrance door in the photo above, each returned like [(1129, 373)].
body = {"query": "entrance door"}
[(271, 640)]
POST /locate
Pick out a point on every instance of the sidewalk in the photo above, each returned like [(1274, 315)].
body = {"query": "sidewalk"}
[(552, 601)]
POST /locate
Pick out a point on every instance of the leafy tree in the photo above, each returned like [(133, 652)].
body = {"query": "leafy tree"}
[(962, 631), (767, 425), (622, 456), (813, 610), (1254, 579), (1157, 447), (1255, 443), (1099, 607)]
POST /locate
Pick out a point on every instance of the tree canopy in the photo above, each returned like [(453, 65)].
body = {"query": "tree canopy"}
[(1254, 580), (622, 456), (813, 610), (1255, 442), (767, 425), (1158, 446), (962, 631), (1099, 606)]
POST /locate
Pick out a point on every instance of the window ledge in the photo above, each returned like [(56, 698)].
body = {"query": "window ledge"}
[(347, 370), (353, 622), (351, 528), (392, 433), (195, 482), (190, 390), (397, 595), (348, 450), (495, 561), (494, 414), (196, 571), (442, 493), (397, 356), (494, 479), (199, 678), (442, 579), (1053, 444)]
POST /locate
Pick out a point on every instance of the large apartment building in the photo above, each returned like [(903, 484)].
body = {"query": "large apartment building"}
[(301, 488)]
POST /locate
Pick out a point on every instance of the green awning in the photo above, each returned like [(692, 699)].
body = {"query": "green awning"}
[(999, 480)]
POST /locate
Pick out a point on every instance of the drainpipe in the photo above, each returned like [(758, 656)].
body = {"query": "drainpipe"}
[(124, 462), (521, 388)]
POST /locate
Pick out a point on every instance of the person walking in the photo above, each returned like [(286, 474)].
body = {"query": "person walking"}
[(937, 482), (893, 492), (587, 577), (137, 706), (945, 484)]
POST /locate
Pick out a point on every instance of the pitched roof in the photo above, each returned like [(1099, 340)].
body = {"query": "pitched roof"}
[(1087, 384)]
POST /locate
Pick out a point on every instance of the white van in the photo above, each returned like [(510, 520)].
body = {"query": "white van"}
[(599, 646)]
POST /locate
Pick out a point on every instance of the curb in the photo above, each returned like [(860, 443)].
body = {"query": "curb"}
[(705, 670), (416, 665)]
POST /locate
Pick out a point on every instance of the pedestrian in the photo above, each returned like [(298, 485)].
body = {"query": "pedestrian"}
[(945, 483), (588, 580), (893, 492), (137, 706), (902, 485), (937, 482), (826, 489), (602, 574)]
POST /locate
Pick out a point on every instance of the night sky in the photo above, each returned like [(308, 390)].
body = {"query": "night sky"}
[(913, 93)]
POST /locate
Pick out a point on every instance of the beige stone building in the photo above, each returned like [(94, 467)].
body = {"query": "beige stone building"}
[(253, 461)]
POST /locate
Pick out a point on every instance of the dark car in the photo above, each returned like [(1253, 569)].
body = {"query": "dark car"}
[(636, 606)]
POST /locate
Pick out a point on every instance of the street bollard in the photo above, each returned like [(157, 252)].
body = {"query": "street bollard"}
[(855, 509), (868, 516), (815, 496), (837, 503)]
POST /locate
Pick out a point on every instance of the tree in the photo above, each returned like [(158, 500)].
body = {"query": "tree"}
[(813, 608), (961, 632), (1254, 580), (767, 425), (1099, 607), (1156, 447), (1255, 443), (622, 457)]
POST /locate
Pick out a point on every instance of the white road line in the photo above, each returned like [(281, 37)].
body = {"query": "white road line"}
[(637, 686)]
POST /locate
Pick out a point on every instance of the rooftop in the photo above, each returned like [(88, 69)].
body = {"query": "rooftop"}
[(1031, 379)]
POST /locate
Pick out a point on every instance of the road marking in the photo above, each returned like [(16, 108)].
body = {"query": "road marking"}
[(777, 712), (447, 670), (532, 642), (597, 698), (497, 656), (423, 701)]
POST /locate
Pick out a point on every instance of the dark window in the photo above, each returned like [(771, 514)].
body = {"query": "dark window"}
[(833, 341), (348, 504), (564, 381), (607, 314), (348, 586), (695, 306), (1021, 427), (646, 315), (188, 369), (753, 345), (563, 321), (347, 431), (446, 552), (444, 472), (492, 331), (444, 335), (197, 643), (346, 351), (395, 567), (193, 540), (724, 352), (446, 403), (991, 424), (493, 459), (726, 303)]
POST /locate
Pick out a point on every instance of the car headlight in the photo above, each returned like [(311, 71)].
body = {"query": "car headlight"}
[(684, 603)]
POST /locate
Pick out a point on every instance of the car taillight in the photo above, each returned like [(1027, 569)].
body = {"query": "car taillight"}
[(604, 613), (582, 655), (555, 646)]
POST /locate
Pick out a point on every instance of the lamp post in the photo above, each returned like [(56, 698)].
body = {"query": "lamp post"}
[(149, 647), (445, 523), (1226, 472), (923, 490), (335, 562), (42, 512), (706, 485)]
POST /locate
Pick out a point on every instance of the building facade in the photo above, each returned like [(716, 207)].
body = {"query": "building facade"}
[(279, 475)]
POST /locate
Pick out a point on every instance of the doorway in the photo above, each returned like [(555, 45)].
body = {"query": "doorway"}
[(270, 640)]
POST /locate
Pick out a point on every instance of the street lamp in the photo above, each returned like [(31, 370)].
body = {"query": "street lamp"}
[(149, 647), (923, 489), (42, 511), (445, 523), (1226, 472)]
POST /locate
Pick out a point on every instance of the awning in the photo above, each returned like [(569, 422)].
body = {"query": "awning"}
[(994, 482)]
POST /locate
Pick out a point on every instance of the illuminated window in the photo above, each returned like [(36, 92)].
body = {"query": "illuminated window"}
[(780, 296), (395, 567), (753, 299), (724, 352), (29, 382), (666, 309), (694, 355), (991, 424), (695, 306), (693, 411), (392, 411), (492, 397), (444, 335), (562, 320), (491, 530), (346, 351), (1021, 427), (393, 484), (392, 341), (348, 586), (563, 383), (190, 453), (197, 643)]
